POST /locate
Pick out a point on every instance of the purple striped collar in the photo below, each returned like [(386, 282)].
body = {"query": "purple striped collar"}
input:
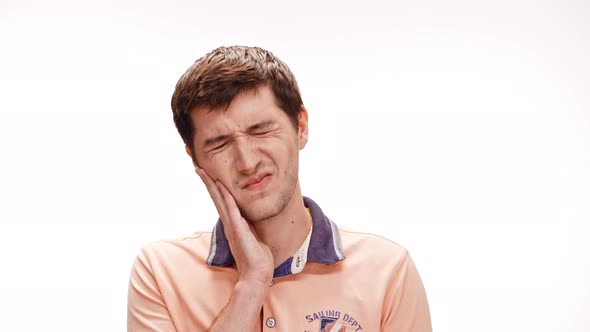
[(323, 247)]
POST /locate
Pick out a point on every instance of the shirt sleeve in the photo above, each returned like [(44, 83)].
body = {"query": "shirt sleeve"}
[(146, 310), (407, 306)]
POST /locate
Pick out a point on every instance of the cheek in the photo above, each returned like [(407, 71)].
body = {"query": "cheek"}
[(217, 168), (284, 154)]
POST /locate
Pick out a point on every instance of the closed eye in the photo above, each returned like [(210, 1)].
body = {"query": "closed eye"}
[(262, 128), (260, 133), (219, 147)]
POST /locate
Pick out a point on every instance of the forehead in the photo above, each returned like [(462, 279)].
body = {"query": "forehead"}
[(245, 109)]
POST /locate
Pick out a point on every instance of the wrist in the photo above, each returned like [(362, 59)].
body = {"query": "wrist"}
[(252, 289)]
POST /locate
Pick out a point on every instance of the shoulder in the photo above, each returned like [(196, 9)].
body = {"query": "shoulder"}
[(175, 251), (369, 241), (372, 249)]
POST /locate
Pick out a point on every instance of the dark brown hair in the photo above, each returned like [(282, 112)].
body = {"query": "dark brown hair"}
[(216, 79)]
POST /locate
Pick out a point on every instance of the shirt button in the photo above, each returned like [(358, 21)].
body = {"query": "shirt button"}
[(271, 322)]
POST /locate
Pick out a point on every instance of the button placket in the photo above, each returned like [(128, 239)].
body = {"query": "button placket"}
[(269, 321)]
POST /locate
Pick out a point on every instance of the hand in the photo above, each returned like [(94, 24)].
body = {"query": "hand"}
[(253, 258)]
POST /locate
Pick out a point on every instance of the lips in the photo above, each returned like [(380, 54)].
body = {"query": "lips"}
[(257, 182)]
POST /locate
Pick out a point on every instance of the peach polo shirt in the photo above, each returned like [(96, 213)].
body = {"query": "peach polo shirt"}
[(182, 285)]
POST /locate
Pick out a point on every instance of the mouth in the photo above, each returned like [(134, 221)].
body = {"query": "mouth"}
[(258, 182)]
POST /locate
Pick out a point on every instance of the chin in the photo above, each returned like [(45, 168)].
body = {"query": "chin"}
[(259, 209)]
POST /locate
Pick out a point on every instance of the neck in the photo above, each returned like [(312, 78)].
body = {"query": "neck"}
[(285, 232)]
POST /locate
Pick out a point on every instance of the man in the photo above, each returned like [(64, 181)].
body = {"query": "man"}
[(273, 261)]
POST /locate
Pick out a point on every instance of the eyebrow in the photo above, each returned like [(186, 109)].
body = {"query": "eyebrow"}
[(257, 126)]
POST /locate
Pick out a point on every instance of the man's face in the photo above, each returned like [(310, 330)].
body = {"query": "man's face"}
[(253, 149)]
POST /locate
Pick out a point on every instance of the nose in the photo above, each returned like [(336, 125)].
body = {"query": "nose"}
[(247, 158)]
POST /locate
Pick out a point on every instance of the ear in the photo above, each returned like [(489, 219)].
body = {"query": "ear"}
[(303, 129), (190, 154)]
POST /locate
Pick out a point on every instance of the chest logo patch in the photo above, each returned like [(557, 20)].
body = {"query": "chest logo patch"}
[(332, 321)]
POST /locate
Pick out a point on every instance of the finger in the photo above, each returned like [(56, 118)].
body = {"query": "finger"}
[(215, 194), (232, 208), (209, 183), (228, 220), (211, 187)]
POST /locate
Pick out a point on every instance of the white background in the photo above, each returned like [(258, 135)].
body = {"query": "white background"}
[(459, 129)]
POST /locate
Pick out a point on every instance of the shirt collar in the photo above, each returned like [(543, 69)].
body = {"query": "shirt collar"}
[(322, 245)]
